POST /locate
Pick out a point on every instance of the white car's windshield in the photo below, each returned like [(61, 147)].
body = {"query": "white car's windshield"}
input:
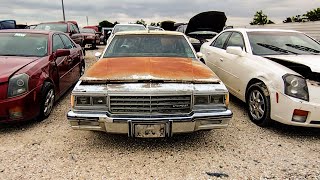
[(149, 46), (274, 43), (23, 44)]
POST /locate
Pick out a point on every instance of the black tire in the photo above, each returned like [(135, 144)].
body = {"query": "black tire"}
[(47, 101), (94, 45), (258, 101)]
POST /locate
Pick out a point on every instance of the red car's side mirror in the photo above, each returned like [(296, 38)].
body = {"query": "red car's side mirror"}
[(62, 52)]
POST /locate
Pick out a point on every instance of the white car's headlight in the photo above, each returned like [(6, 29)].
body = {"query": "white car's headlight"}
[(296, 86), (18, 84)]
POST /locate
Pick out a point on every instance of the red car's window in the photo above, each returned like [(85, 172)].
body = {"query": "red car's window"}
[(23, 44)]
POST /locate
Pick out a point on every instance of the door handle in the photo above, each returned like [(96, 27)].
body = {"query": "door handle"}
[(221, 59)]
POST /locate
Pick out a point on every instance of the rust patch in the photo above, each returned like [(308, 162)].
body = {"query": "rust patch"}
[(137, 68)]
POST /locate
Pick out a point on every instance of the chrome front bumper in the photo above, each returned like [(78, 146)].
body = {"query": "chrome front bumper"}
[(101, 121)]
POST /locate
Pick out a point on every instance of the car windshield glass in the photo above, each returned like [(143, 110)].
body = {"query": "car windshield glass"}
[(53, 27), (149, 46), (87, 31), (127, 28), (275, 42), (23, 44)]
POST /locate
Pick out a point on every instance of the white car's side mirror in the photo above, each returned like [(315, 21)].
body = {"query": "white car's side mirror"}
[(236, 50), (97, 55), (199, 55)]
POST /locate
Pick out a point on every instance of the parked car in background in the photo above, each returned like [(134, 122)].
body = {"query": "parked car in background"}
[(276, 72), (68, 27), (90, 37), (8, 24), (106, 32), (125, 27), (36, 68), (149, 84), (155, 28), (203, 27)]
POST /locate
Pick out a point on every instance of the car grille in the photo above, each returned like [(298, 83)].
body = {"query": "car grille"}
[(150, 104), (3, 90)]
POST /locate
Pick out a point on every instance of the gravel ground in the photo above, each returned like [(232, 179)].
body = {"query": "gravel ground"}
[(52, 150)]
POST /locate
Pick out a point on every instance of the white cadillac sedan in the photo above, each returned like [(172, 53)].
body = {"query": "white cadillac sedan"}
[(276, 72)]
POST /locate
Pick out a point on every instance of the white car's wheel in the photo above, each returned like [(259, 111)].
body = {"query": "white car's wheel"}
[(258, 101)]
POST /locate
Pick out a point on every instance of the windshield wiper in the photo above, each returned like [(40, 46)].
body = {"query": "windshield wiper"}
[(304, 48), (275, 48)]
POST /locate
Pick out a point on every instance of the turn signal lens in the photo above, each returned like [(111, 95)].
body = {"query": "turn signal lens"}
[(72, 101), (300, 115)]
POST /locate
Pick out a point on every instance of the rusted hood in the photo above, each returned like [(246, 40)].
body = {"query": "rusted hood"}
[(133, 69)]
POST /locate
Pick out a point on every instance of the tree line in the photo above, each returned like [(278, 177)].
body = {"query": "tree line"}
[(260, 18)]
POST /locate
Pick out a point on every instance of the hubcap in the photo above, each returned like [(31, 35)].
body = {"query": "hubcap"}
[(48, 104), (256, 105)]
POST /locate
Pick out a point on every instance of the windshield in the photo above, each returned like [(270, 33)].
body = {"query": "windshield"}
[(23, 44), (53, 27), (149, 46), (88, 31), (119, 28), (274, 43)]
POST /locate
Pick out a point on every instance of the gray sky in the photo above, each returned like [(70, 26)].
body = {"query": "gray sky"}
[(238, 12)]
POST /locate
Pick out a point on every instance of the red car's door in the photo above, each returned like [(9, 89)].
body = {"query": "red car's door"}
[(75, 58), (63, 65)]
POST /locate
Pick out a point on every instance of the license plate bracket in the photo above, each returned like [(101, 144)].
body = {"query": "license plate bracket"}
[(150, 130)]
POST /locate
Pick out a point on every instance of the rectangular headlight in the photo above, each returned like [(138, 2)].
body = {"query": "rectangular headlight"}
[(217, 99), (99, 101), (83, 101), (201, 100)]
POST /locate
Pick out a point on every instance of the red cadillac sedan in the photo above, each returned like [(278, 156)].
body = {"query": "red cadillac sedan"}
[(36, 68)]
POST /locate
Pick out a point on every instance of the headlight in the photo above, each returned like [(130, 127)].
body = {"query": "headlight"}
[(296, 86), (210, 99), (89, 101), (18, 84)]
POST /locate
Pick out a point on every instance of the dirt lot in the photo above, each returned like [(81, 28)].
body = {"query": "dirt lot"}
[(51, 150)]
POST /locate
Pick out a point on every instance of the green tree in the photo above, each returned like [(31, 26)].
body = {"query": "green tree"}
[(106, 23), (153, 24), (141, 21), (313, 15), (260, 19)]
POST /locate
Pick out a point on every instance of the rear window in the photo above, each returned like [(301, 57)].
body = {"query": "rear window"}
[(23, 44), (128, 28), (53, 27), (149, 46)]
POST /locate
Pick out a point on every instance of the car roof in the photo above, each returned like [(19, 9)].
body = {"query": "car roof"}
[(143, 32), (32, 31), (260, 30), (129, 25)]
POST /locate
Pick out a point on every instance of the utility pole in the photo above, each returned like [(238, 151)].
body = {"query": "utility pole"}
[(87, 21), (64, 17)]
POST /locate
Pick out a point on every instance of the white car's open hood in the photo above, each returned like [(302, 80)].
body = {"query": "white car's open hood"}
[(312, 61)]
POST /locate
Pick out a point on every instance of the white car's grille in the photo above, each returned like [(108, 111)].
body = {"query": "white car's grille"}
[(150, 104)]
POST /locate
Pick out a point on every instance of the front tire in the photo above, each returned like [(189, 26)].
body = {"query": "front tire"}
[(258, 100), (47, 101)]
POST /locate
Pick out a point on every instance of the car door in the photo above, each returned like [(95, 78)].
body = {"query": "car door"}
[(74, 61), (62, 64), (214, 52), (234, 67)]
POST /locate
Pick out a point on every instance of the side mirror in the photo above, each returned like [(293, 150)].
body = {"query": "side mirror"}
[(98, 55), (199, 55), (62, 52), (236, 50)]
